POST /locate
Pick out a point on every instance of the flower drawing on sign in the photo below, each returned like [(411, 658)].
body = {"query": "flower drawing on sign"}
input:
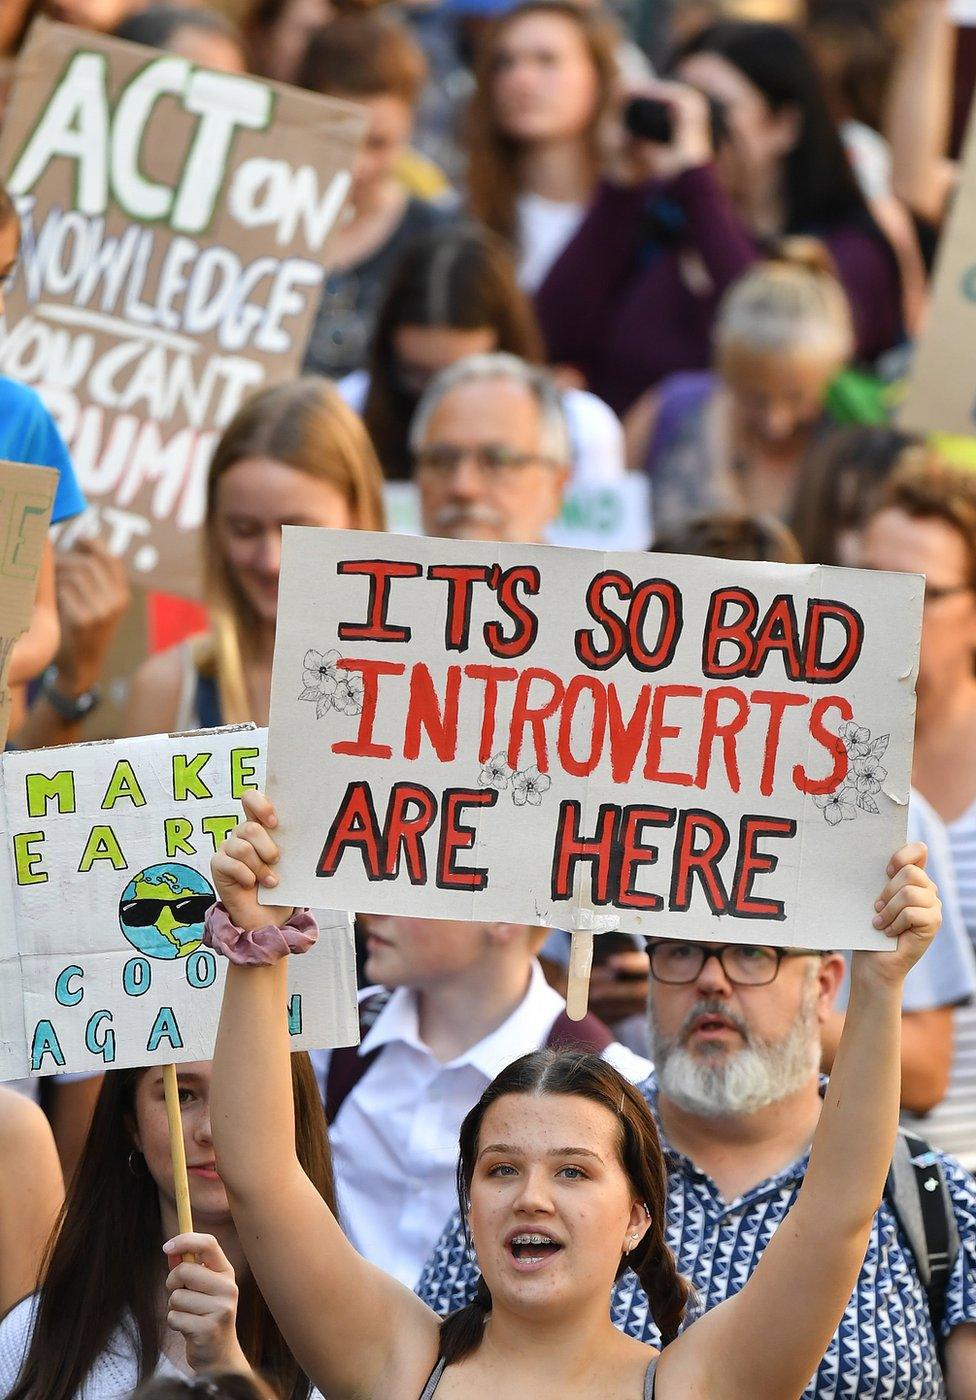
[(348, 694), (529, 785), (839, 806), (328, 688), (496, 773), (865, 776), (857, 741)]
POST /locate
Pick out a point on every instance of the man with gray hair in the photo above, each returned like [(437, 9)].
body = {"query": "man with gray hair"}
[(491, 451), (735, 1034)]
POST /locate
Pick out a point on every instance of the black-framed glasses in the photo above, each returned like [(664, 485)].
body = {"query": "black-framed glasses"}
[(143, 913), (493, 459), (744, 964)]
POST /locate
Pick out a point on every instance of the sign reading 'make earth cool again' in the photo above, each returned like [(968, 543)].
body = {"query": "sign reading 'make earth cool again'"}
[(104, 859)]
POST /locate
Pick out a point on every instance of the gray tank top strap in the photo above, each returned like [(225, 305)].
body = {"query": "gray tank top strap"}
[(438, 1371), (433, 1379)]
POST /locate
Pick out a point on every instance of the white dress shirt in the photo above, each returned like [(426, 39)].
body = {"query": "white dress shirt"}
[(395, 1141)]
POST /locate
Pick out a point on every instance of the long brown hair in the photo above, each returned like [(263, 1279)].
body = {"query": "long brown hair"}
[(304, 424), (103, 1264), (583, 1076), (493, 156), (459, 279)]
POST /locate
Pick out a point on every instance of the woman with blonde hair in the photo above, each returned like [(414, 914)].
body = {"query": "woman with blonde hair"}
[(732, 438), (545, 80), (294, 454)]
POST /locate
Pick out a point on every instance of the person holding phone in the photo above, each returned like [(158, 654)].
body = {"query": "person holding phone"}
[(751, 156)]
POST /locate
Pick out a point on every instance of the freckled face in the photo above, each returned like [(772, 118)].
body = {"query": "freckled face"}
[(208, 1197), (551, 1206)]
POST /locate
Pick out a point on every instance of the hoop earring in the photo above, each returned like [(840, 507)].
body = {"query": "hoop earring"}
[(135, 1156)]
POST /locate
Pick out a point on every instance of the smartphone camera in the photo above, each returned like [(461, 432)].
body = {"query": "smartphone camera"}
[(649, 119)]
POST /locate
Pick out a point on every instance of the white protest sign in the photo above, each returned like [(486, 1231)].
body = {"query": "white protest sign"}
[(105, 867), (175, 227), (552, 736)]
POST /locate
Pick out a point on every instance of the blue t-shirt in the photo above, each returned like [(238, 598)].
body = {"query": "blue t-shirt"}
[(28, 433)]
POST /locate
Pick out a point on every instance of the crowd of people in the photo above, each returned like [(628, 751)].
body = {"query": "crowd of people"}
[(587, 243)]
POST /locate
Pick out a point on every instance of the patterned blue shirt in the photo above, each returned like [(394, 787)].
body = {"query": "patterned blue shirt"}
[(884, 1348)]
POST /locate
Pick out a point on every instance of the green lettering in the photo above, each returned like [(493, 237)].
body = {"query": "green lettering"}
[(41, 790), (218, 828), (186, 776), (176, 833), (26, 860), (242, 772), (102, 844), (123, 783)]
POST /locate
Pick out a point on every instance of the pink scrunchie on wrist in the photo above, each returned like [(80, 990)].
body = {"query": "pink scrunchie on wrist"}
[(260, 946)]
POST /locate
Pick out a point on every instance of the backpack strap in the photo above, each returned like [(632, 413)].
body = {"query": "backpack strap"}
[(918, 1194), (589, 1034), (346, 1065)]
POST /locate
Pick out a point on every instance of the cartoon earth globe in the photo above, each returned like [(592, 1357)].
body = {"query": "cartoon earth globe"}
[(162, 909)]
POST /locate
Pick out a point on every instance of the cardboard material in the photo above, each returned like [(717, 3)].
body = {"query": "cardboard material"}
[(175, 227), (941, 396), (506, 732), (105, 860), (26, 497)]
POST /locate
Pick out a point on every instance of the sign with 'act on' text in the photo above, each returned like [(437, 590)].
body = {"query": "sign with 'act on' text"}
[(175, 222), (688, 746)]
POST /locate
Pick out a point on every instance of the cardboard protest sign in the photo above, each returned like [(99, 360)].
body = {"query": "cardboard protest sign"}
[(681, 746), (26, 498), (941, 395), (105, 863), (174, 226)]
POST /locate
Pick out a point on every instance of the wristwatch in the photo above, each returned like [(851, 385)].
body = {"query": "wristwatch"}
[(69, 707)]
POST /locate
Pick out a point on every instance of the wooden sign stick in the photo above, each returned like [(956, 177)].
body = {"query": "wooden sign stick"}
[(580, 966), (177, 1147)]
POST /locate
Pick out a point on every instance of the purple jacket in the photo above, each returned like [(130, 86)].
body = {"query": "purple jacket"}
[(617, 305)]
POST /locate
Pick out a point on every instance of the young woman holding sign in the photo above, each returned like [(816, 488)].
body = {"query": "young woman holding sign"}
[(113, 1309), (294, 454), (562, 1179)]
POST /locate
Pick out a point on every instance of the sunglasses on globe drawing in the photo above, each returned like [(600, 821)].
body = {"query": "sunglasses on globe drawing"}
[(141, 913)]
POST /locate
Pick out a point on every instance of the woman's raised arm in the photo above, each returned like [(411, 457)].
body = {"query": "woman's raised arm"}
[(768, 1339), (357, 1332)]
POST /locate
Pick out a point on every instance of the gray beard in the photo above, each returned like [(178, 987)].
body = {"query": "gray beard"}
[(713, 1084)]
